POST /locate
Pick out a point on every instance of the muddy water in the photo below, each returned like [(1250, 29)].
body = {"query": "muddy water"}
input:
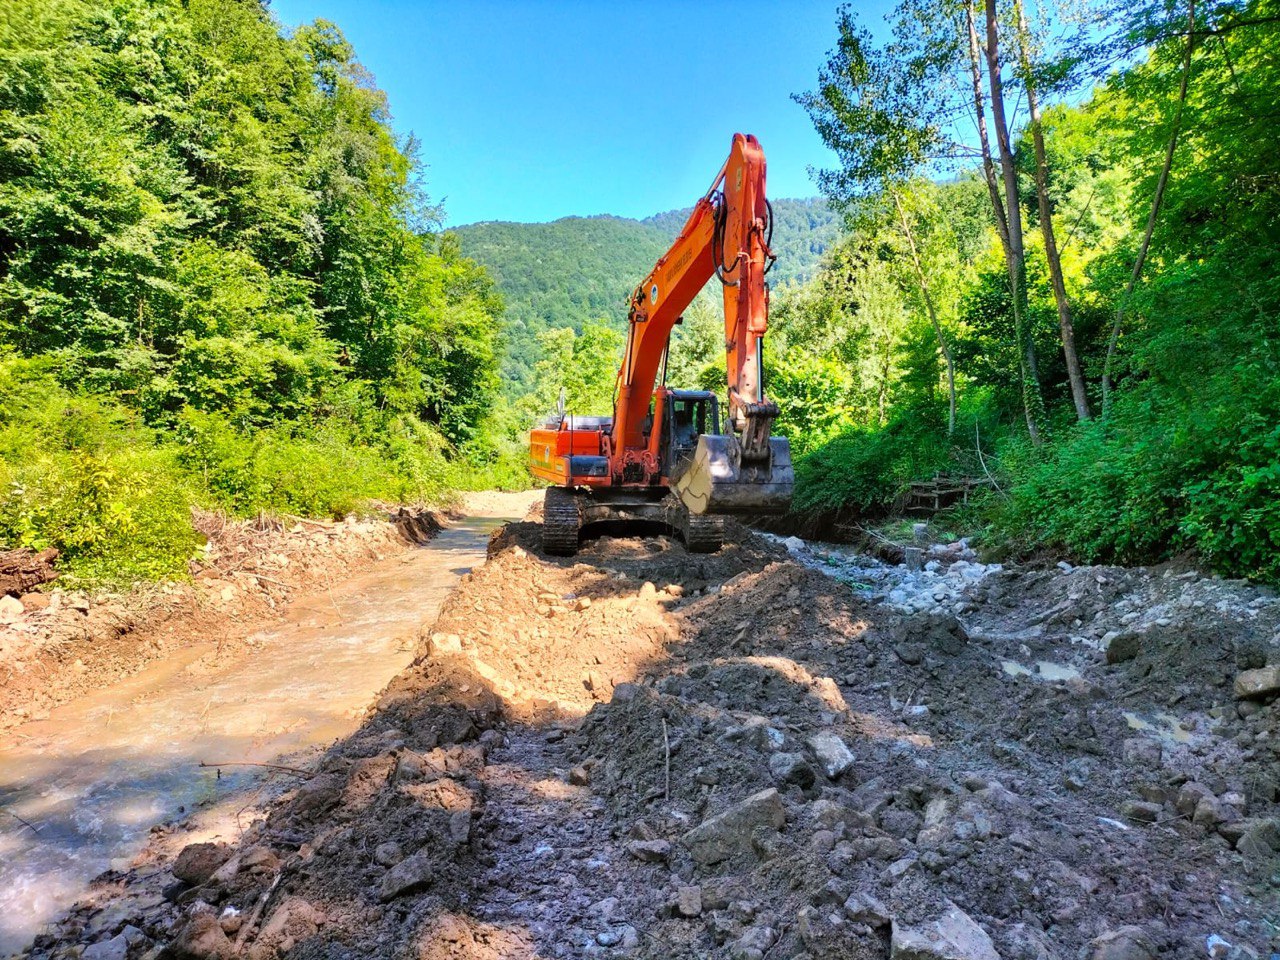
[(99, 773)]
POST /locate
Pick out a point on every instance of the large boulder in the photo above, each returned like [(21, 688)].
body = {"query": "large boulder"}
[(953, 936), (728, 834), (198, 861), (407, 876), (1262, 682)]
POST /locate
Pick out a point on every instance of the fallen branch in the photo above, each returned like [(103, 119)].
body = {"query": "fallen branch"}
[(26, 823), (257, 912), (20, 570), (666, 745), (268, 766), (278, 583)]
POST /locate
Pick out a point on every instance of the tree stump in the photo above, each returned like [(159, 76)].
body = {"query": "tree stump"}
[(21, 570)]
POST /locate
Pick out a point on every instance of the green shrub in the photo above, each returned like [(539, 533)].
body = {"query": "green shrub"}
[(79, 475)]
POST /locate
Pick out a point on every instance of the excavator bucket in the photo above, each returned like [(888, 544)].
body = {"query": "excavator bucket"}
[(717, 479)]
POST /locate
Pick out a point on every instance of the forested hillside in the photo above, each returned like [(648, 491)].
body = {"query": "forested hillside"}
[(579, 270), (1083, 309), (217, 284)]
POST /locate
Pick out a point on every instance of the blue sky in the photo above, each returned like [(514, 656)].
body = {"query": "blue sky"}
[(538, 109)]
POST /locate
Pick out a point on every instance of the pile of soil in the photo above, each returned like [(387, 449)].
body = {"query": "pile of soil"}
[(62, 643), (641, 752)]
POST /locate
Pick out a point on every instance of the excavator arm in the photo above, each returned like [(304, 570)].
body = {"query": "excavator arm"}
[(726, 236)]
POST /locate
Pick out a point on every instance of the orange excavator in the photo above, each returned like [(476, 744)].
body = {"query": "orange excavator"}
[(662, 456)]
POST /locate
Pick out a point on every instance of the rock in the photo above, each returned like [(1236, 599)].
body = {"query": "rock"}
[(1259, 839), (406, 876), (1208, 812), (864, 908), (32, 602), (202, 938), (443, 644), (649, 851), (1142, 752), (198, 861), (729, 833), (1143, 811), (833, 756), (11, 609), (648, 591), (1126, 943), (753, 944), (294, 919), (460, 826), (1189, 796), (1216, 947), (791, 768), (387, 854), (1261, 682), (912, 654), (259, 860), (580, 776), (689, 901), (953, 936), (117, 948), (793, 544), (1124, 646)]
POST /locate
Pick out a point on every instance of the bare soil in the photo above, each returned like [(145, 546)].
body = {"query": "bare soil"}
[(641, 752)]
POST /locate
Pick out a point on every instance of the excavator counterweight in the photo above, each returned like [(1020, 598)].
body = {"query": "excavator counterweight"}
[(663, 455)]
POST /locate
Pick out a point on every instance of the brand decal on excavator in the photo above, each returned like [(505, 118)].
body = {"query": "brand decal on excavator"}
[(653, 294), (681, 263)]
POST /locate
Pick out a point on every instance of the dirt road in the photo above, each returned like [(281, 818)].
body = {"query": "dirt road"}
[(645, 753), (97, 774)]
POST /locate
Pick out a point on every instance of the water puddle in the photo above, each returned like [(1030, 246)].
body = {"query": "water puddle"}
[(93, 778), (1165, 726), (1043, 670)]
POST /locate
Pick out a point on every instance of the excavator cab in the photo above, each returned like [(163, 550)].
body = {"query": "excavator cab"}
[(687, 415)]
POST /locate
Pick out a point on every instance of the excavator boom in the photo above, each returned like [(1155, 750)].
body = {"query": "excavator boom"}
[(664, 447)]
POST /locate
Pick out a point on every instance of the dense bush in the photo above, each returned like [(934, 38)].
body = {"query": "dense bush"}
[(1186, 456), (83, 474), (219, 286)]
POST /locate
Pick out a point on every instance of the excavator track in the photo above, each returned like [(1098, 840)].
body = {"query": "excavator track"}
[(703, 533), (561, 522)]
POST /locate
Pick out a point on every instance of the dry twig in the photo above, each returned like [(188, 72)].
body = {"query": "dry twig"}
[(268, 766)]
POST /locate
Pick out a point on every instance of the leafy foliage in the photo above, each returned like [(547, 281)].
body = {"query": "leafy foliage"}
[(1189, 457), (580, 270), (214, 245)]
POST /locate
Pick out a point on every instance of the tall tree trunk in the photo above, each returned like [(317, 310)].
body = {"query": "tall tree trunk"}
[(1156, 201), (927, 297), (980, 117), (1065, 324), (1015, 252)]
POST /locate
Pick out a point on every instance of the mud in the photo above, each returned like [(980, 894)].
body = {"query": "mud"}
[(641, 752), (62, 644)]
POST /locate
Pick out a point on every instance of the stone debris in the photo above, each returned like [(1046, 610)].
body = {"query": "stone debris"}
[(736, 755), (1262, 682), (832, 754), (953, 936), (729, 833)]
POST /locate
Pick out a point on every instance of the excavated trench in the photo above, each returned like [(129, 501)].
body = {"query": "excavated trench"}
[(774, 751)]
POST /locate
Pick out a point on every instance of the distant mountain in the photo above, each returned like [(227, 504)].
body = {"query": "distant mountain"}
[(578, 269)]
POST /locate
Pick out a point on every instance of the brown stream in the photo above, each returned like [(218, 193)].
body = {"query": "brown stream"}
[(100, 772)]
